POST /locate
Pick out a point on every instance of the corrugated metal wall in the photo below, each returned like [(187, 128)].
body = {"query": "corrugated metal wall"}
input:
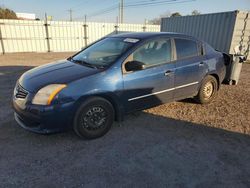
[(216, 29), (60, 36)]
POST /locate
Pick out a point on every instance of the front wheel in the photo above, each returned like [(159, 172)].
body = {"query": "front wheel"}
[(94, 118), (208, 90)]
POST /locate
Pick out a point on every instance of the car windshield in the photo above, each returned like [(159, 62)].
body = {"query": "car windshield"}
[(103, 53)]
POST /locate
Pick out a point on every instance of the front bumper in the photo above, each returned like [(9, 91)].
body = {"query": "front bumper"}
[(44, 119)]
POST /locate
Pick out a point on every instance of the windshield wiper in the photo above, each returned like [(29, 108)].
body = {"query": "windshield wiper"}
[(84, 63), (69, 58)]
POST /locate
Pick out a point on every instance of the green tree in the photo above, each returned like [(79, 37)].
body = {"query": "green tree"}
[(176, 14), (195, 12), (6, 13), (157, 21)]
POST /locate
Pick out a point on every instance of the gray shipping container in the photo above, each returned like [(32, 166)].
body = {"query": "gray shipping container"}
[(223, 31)]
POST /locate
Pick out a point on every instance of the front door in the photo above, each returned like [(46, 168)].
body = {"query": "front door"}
[(153, 84)]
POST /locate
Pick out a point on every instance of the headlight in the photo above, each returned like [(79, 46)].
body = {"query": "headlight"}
[(45, 95)]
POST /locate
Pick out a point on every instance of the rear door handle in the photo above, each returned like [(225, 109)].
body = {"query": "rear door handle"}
[(169, 73), (201, 64)]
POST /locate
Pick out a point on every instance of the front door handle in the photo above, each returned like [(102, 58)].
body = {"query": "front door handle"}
[(169, 73)]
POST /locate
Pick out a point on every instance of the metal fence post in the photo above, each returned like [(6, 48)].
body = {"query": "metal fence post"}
[(47, 32), (117, 24), (145, 26), (116, 29), (85, 34), (1, 39)]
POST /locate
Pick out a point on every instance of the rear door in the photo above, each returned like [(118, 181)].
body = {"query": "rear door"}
[(190, 67), (154, 84)]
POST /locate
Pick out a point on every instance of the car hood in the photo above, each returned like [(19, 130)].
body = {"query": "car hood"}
[(61, 72)]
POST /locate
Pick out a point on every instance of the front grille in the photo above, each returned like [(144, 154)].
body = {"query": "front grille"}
[(20, 92)]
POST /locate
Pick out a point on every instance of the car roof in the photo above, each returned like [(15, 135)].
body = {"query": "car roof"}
[(148, 35)]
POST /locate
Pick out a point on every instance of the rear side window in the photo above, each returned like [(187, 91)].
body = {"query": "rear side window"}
[(186, 48)]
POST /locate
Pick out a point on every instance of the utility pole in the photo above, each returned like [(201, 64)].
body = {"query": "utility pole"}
[(70, 14), (118, 18), (122, 11), (85, 18)]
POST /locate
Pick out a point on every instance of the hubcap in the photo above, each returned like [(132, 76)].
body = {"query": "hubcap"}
[(208, 90), (94, 118)]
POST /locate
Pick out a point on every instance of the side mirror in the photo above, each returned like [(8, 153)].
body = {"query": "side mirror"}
[(134, 66)]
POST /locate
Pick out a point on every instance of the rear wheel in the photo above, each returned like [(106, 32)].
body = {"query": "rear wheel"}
[(208, 90), (94, 118)]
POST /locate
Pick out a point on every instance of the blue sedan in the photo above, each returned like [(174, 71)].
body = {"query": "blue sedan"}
[(115, 76)]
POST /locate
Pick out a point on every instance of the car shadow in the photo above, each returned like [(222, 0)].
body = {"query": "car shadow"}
[(188, 100), (143, 150), (171, 152)]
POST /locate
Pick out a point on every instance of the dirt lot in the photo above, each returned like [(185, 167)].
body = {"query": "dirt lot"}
[(180, 144)]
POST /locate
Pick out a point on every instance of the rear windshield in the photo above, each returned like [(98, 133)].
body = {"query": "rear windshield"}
[(104, 52)]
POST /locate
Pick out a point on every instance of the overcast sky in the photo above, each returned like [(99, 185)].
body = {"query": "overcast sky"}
[(133, 14)]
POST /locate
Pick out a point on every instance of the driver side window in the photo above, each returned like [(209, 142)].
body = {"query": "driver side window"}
[(153, 53)]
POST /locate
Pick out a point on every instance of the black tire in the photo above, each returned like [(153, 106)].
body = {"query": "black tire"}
[(93, 118), (208, 90)]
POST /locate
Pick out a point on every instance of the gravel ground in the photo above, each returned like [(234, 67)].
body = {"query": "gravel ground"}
[(181, 144)]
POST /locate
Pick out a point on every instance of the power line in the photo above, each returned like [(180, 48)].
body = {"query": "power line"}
[(78, 7), (157, 3), (143, 3), (100, 12), (79, 4), (103, 11), (114, 7)]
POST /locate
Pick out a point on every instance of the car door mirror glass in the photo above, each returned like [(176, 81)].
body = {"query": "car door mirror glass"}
[(134, 66)]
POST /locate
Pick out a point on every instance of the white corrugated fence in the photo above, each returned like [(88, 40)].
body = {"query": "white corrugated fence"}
[(58, 36)]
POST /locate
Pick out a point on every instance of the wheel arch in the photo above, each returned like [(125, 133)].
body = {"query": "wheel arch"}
[(118, 108), (216, 76)]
